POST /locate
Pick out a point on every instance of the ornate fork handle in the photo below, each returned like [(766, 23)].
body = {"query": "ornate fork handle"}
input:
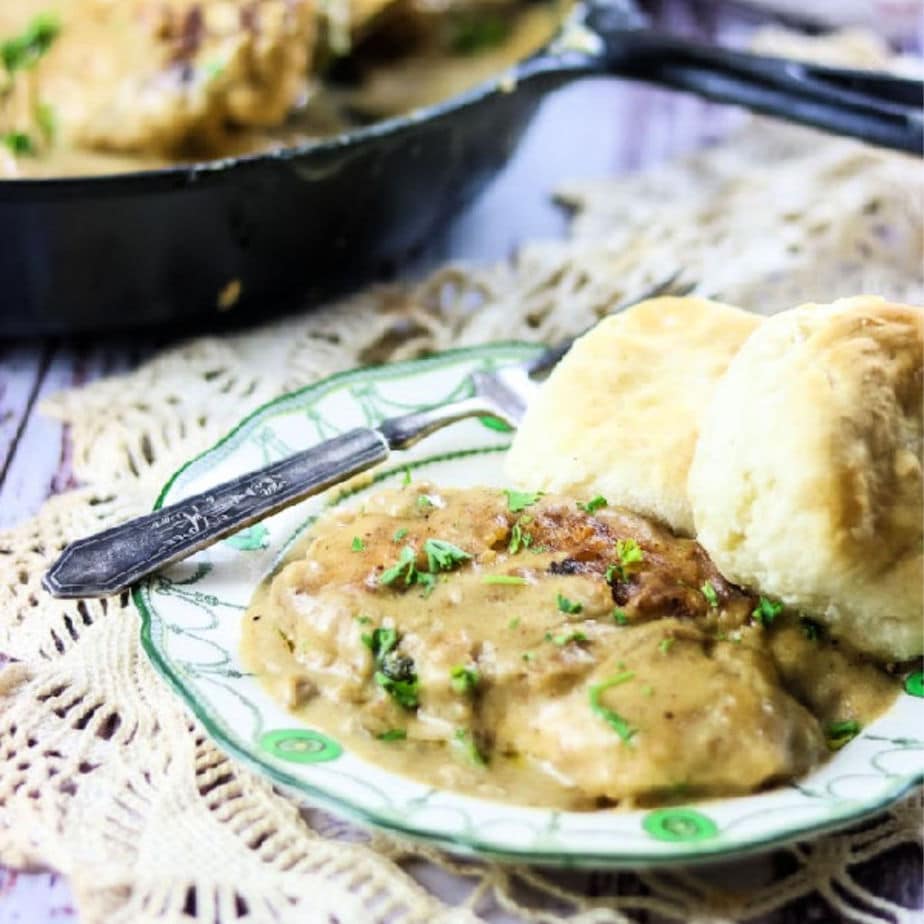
[(109, 561)]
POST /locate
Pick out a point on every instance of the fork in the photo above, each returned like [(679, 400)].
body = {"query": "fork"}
[(109, 562)]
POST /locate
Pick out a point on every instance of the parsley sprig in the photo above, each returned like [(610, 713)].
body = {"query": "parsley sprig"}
[(766, 611), (394, 672), (622, 728), (464, 680), (629, 553), (594, 504), (570, 607), (520, 500), (837, 734)]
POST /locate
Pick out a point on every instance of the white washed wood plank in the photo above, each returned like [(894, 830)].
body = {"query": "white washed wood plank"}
[(40, 462), (20, 372)]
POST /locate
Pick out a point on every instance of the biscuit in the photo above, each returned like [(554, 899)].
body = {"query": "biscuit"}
[(806, 482), (619, 416)]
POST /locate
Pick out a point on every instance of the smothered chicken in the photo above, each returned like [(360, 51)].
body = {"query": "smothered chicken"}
[(511, 636)]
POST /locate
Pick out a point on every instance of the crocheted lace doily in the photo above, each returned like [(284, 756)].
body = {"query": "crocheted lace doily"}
[(107, 778)]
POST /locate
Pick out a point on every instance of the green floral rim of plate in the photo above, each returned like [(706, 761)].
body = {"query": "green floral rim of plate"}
[(190, 626)]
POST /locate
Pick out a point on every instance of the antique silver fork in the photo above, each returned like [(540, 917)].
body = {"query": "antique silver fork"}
[(111, 561)]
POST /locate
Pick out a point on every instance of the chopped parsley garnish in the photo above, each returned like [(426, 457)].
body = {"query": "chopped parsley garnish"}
[(767, 610), (810, 629), (18, 143), (664, 646), (839, 733), (464, 741), (405, 567), (568, 606), (443, 556), (399, 534), (514, 623), (463, 680), (380, 642), (393, 734), (474, 31), (594, 504), (503, 579), (47, 120), (528, 655), (394, 672), (358, 545), (708, 591), (520, 500), (629, 553), (25, 49), (519, 538), (622, 728), (424, 501), (363, 620), (406, 693), (619, 617), (567, 638)]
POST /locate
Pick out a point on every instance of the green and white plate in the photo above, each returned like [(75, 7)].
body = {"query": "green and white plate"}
[(191, 628)]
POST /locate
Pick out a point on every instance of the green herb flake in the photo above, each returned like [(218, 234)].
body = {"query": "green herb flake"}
[(648, 690), (46, 120), (810, 629), (363, 620), (622, 728), (665, 645), (838, 734), (619, 617), (511, 579), (406, 693), (399, 534), (565, 605), (443, 556), (567, 638), (528, 655), (463, 680), (629, 552), (519, 537), (520, 500), (404, 567), (476, 31), (767, 610), (514, 623), (24, 50), (19, 144), (594, 504), (393, 734), (708, 591), (425, 502), (357, 545), (465, 742), (380, 642)]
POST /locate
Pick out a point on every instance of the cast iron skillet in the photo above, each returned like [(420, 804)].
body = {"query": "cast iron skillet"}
[(160, 247)]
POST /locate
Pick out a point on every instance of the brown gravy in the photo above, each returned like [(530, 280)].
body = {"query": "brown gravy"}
[(548, 655)]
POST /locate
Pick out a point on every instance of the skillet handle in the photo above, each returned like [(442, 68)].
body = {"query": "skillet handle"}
[(875, 107)]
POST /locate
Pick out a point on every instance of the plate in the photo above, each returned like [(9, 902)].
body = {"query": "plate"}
[(191, 628)]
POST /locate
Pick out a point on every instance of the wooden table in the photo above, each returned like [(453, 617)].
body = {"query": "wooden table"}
[(580, 132)]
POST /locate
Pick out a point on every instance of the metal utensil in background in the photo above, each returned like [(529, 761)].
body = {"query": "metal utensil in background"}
[(112, 560), (291, 227)]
